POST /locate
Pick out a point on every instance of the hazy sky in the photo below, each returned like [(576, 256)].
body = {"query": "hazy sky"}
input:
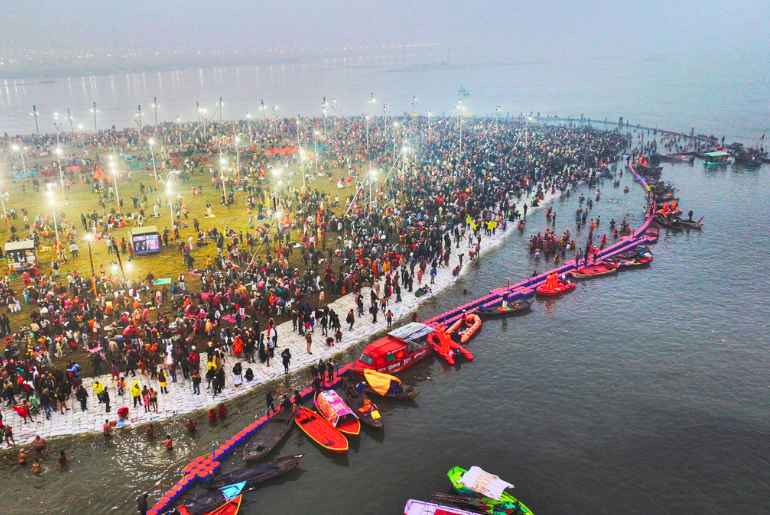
[(502, 28)]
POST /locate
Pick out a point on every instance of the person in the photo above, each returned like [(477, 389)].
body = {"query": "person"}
[(286, 359), (191, 425), (39, 445), (136, 393), (330, 370), (168, 443), (162, 382), (389, 318), (237, 374), (82, 396), (106, 400), (62, 460), (196, 381), (308, 341), (9, 436), (36, 467), (21, 458), (350, 319), (269, 402), (286, 405), (141, 504), (107, 429)]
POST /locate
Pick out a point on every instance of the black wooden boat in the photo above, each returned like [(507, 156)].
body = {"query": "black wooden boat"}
[(258, 473), (268, 437), (696, 225), (368, 412), (516, 307)]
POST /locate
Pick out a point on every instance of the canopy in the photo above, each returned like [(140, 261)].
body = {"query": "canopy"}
[(379, 381), (332, 407), (482, 482), (233, 490)]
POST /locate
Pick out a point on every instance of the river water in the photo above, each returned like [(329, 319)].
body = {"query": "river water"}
[(645, 392), (666, 91)]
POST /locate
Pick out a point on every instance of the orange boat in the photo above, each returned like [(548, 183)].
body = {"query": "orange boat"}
[(446, 348), (466, 327), (231, 507), (337, 412), (320, 430), (553, 287)]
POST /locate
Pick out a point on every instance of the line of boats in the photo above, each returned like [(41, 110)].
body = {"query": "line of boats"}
[(340, 410)]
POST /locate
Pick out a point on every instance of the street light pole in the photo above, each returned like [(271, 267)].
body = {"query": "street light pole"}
[(93, 111), (58, 151), (114, 171), (151, 143), (55, 223), (89, 237)]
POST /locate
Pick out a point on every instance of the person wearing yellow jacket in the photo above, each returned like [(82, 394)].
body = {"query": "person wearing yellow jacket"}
[(136, 393), (98, 390)]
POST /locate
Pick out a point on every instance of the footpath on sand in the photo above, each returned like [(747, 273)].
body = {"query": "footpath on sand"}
[(180, 399)]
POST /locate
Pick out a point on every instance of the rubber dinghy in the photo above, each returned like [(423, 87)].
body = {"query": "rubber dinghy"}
[(493, 491), (553, 287), (595, 270), (466, 327), (320, 430), (446, 348)]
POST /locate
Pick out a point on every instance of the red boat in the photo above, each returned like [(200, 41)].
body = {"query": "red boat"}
[(446, 348), (231, 507), (595, 270), (553, 287), (320, 430), (398, 350)]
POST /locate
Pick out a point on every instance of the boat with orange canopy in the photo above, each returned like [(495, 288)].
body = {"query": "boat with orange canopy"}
[(553, 287)]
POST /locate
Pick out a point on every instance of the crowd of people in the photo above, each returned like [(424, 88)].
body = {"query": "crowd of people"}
[(149, 338)]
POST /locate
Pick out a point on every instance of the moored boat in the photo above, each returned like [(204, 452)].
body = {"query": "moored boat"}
[(516, 307), (398, 350), (632, 262), (231, 507), (595, 270), (260, 472), (493, 491), (415, 507), (368, 412), (447, 348), (320, 430), (465, 327), (386, 385), (272, 433), (335, 410), (554, 287)]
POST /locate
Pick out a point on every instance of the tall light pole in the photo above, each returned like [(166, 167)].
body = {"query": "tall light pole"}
[(93, 112), (72, 124), (155, 110), (151, 143), (429, 116), (372, 179), (89, 237), (395, 128), (58, 151), (52, 202), (114, 171), (460, 110), (222, 166), (221, 107), (36, 115)]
